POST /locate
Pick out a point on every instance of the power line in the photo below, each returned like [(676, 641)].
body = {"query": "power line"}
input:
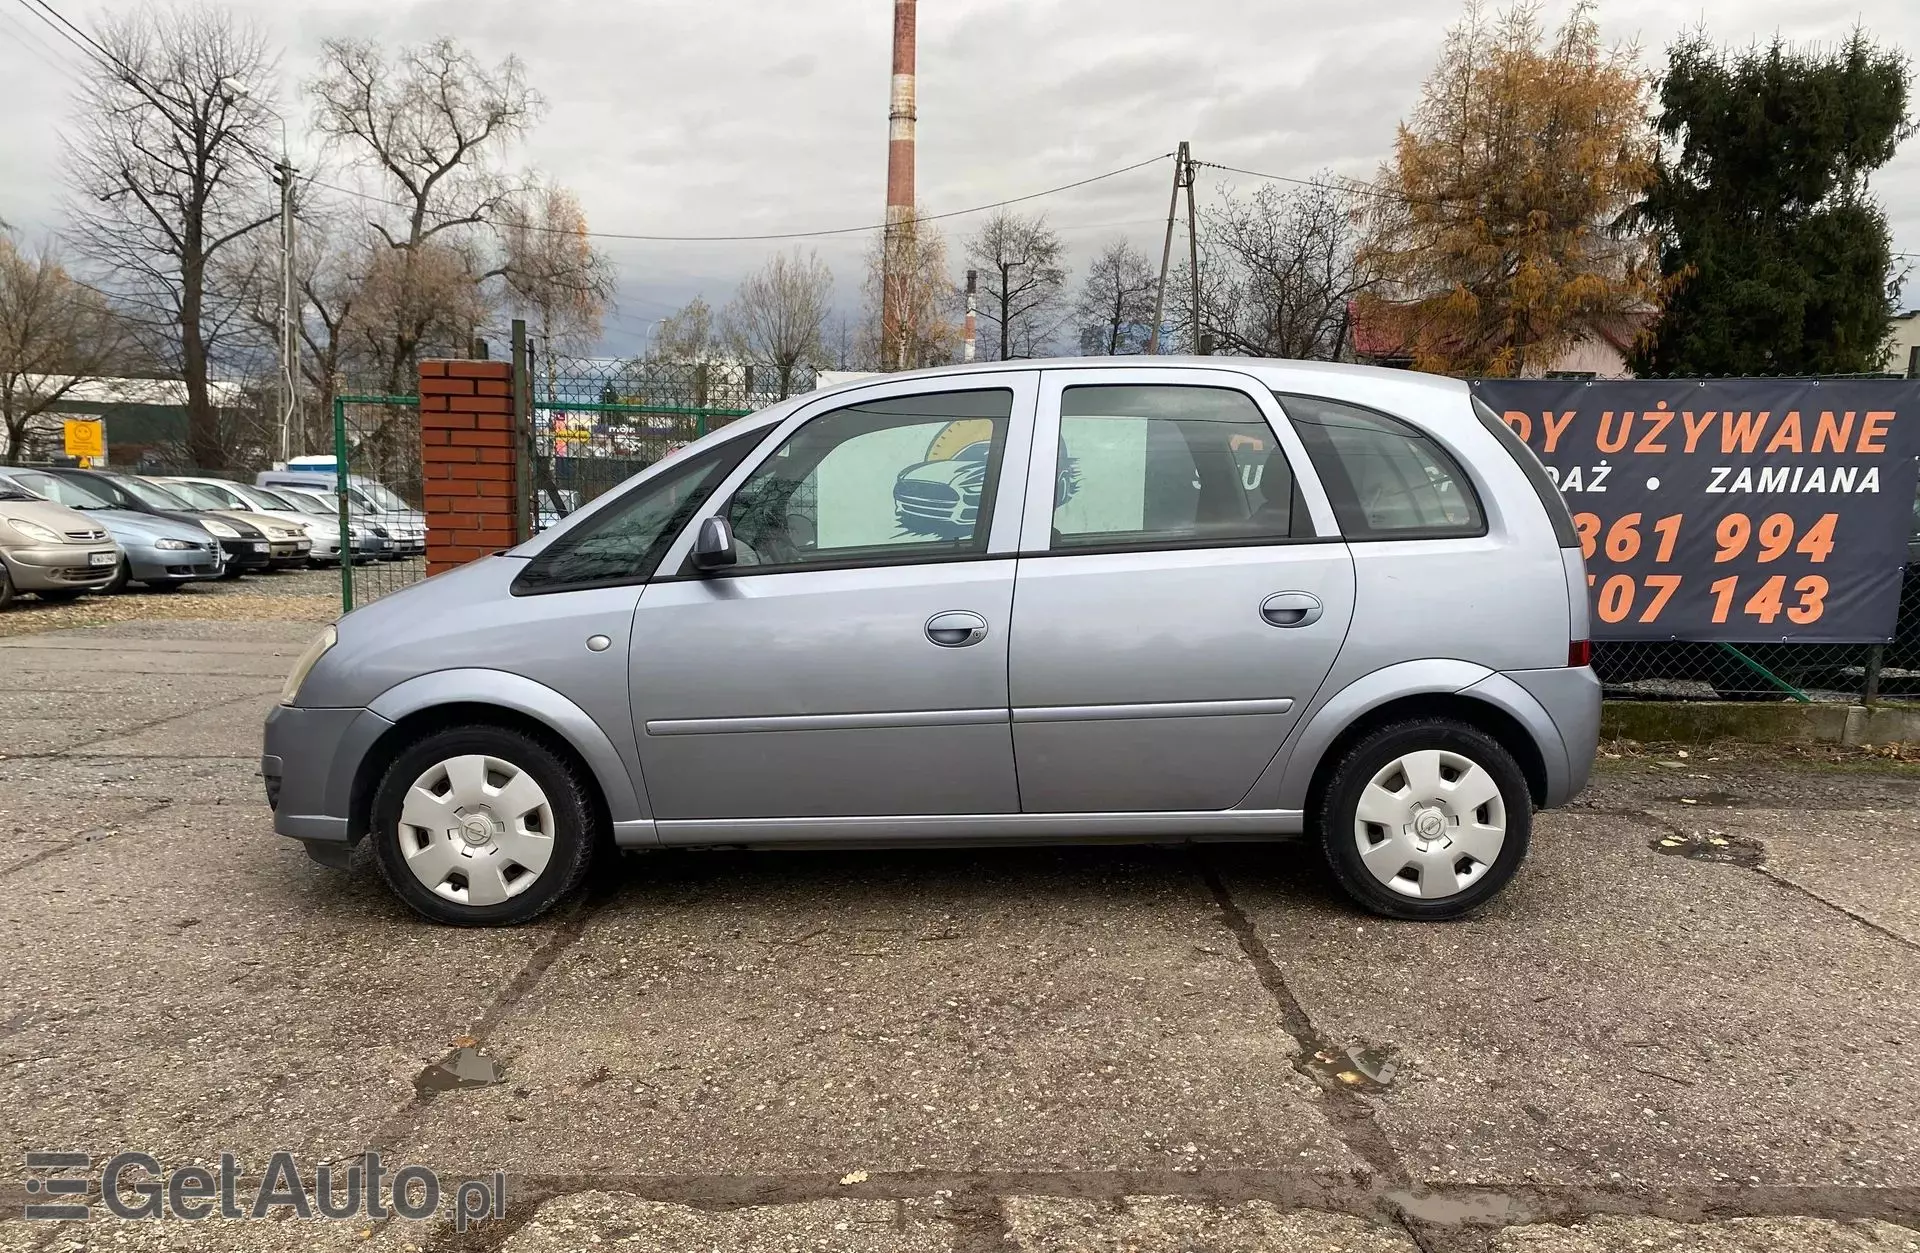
[(820, 234), (34, 43), (1348, 184)]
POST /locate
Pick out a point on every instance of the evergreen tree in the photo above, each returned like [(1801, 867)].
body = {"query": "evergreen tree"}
[(1781, 262)]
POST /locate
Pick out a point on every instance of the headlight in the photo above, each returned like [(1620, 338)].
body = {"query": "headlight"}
[(381, 531), (174, 545), (34, 531), (216, 527), (304, 666)]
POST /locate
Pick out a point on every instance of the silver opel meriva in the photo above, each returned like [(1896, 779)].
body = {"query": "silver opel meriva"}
[(1027, 602)]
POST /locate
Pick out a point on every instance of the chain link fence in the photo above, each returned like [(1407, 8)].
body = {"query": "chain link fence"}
[(598, 422), (376, 456)]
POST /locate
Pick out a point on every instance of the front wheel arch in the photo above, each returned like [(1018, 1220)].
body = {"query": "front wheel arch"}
[(417, 726)]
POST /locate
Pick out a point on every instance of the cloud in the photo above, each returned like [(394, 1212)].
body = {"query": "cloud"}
[(691, 117)]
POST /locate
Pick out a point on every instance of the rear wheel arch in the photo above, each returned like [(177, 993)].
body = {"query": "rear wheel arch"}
[(1483, 715)]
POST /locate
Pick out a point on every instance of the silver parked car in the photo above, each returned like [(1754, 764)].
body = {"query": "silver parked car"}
[(156, 551), (1194, 600)]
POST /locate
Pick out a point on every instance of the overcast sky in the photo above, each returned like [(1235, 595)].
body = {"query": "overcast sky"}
[(705, 117)]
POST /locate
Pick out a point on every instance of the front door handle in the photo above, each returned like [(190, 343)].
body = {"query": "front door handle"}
[(956, 628), (1292, 609)]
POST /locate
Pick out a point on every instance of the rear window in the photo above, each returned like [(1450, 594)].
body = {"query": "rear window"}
[(1550, 498), (1386, 480)]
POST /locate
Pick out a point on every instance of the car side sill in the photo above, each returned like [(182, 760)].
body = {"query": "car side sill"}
[(921, 829)]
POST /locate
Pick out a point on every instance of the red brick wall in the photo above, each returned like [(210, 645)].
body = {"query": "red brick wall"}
[(466, 452)]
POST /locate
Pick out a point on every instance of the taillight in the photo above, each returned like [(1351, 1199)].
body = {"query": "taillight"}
[(1580, 653)]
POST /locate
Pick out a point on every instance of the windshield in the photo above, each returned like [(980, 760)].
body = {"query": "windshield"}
[(378, 497), (10, 490), (64, 491), (196, 496), (153, 496), (307, 504), (258, 497)]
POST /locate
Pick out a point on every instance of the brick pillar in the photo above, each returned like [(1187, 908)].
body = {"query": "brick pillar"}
[(466, 458)]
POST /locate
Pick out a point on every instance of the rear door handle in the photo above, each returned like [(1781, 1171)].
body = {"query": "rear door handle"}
[(956, 628), (1292, 609)]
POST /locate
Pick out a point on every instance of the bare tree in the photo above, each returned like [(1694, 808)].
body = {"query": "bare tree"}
[(430, 123), (167, 170), (1280, 271), (778, 318), (907, 272), (55, 334), (553, 271), (688, 337), (1114, 310), (1023, 281)]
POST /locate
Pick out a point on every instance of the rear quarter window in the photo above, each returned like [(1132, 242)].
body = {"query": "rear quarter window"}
[(1385, 478)]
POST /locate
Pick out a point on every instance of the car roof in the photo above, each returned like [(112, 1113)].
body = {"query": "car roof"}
[(1396, 391)]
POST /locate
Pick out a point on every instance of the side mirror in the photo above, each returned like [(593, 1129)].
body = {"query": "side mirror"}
[(713, 546)]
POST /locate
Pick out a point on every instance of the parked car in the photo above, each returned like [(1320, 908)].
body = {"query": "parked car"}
[(50, 550), (156, 551), (322, 531), (371, 540), (1271, 598), (406, 526), (244, 545), (287, 542)]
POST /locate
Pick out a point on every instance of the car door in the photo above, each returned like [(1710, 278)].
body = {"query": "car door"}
[(853, 663), (1182, 591)]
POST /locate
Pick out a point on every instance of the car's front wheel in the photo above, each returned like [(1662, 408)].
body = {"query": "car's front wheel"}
[(1425, 819), (483, 826)]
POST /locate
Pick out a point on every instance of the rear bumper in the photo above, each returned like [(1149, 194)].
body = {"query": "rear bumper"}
[(1571, 698), (60, 567)]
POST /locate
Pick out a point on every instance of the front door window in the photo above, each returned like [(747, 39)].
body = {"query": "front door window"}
[(881, 482)]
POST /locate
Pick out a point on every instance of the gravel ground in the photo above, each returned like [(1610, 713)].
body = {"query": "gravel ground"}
[(278, 596)]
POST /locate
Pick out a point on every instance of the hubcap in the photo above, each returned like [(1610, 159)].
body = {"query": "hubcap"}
[(476, 830), (1430, 823)]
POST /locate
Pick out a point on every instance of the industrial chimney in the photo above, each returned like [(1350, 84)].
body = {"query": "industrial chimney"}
[(895, 263)]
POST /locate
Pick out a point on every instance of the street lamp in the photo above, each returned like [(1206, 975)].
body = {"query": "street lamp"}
[(288, 331)]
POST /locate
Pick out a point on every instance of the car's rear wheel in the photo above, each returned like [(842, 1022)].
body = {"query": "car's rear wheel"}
[(1425, 819), (483, 826)]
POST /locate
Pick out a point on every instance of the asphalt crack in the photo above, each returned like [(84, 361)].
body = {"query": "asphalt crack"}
[(1350, 1115)]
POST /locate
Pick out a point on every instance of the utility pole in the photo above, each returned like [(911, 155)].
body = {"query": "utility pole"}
[(289, 388), (1182, 178), (1201, 346)]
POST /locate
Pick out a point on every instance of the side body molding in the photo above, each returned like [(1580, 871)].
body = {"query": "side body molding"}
[(1286, 782), (626, 804)]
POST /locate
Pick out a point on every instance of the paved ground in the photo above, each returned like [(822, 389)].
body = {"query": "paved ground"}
[(1687, 1026)]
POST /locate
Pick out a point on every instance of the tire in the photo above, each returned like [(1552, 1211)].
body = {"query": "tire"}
[(1459, 842), (118, 583), (6, 586), (486, 850)]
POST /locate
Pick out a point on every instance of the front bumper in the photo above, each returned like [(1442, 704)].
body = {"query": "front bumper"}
[(61, 567), (247, 554), (146, 564), (287, 552), (309, 759)]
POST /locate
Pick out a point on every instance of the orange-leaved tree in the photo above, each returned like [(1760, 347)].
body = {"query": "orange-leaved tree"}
[(1502, 232)]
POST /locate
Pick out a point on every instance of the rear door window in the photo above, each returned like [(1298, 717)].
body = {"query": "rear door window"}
[(1385, 478)]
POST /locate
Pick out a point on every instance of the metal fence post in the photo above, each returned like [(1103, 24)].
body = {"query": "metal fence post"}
[(522, 436), (340, 496), (1870, 689)]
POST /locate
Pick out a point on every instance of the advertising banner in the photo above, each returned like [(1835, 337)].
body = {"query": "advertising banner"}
[(1743, 510)]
